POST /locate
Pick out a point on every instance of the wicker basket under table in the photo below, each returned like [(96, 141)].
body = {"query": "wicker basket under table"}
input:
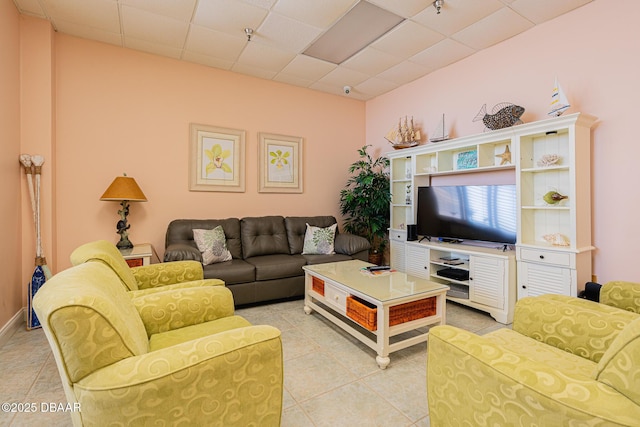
[(366, 314)]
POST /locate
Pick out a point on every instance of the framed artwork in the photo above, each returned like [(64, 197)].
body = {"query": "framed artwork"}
[(216, 160), (280, 163)]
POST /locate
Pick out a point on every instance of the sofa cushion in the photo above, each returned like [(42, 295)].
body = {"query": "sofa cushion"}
[(321, 259), (180, 231), (212, 244), (231, 272), (319, 240), (297, 227), (277, 266), (263, 236)]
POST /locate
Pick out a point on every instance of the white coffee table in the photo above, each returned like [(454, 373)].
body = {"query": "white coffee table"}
[(337, 284)]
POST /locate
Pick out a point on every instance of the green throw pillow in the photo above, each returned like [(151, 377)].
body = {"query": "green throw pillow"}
[(319, 241), (212, 244)]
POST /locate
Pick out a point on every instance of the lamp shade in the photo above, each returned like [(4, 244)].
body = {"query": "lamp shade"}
[(124, 188)]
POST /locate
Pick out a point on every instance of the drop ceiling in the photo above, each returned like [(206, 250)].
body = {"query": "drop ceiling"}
[(211, 32)]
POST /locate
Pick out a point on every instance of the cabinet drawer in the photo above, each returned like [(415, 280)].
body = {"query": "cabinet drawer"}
[(546, 257), (399, 235), (336, 298)]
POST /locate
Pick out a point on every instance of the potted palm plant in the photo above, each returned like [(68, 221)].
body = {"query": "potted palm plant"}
[(365, 200)]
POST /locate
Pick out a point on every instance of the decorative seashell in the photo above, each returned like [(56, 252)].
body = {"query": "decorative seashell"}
[(556, 239), (548, 160)]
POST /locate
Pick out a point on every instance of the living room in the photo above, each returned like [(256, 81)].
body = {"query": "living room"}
[(96, 111)]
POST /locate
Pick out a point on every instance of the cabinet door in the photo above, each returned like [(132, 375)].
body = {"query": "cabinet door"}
[(398, 252), (417, 261), (486, 281), (538, 279)]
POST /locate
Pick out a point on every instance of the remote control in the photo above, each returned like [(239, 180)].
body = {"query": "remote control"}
[(379, 268)]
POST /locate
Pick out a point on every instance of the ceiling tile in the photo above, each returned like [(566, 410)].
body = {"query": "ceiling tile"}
[(306, 67), (371, 61), (101, 14), (442, 54), (540, 11), (214, 44), (264, 4), (156, 49), (285, 33), (30, 7), (493, 29), (405, 8), (82, 31), (375, 86), (343, 77), (457, 14), (207, 60), (253, 71), (293, 80), (180, 10), (404, 72), (320, 14), (265, 57), (142, 25), (407, 39), (228, 15)]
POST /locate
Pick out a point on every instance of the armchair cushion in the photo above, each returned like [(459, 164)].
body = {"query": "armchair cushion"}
[(178, 308), (154, 275)]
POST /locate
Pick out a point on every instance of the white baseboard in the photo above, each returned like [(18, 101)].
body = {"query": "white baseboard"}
[(17, 321)]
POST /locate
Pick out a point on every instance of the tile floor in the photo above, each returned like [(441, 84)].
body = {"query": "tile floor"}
[(326, 371)]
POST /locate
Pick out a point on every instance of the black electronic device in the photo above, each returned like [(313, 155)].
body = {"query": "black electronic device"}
[(412, 232), (454, 273), (379, 268), (468, 212)]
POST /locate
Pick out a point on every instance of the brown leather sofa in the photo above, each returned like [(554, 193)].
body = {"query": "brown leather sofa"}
[(266, 253)]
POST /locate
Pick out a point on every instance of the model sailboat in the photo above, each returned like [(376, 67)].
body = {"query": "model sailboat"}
[(440, 133), (405, 135), (559, 102)]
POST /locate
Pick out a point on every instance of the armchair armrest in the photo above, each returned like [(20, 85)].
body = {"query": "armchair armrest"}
[(474, 381), (350, 244), (177, 308), (234, 377), (621, 294), (167, 273), (581, 327), (183, 285)]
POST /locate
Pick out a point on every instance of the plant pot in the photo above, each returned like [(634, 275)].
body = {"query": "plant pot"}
[(375, 258)]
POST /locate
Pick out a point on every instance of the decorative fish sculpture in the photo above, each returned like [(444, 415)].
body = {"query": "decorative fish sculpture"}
[(502, 116), (553, 197)]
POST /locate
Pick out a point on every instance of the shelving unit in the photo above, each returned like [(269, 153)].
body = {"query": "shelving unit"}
[(542, 267)]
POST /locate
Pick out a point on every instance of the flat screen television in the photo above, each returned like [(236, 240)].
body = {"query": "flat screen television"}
[(468, 212)]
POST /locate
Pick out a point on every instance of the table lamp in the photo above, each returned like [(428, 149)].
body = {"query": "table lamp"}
[(124, 189)]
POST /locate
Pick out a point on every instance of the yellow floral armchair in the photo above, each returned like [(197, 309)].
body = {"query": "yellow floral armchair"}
[(566, 362), (173, 357), (147, 278)]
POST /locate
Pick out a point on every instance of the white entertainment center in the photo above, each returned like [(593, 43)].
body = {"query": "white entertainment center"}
[(552, 253)]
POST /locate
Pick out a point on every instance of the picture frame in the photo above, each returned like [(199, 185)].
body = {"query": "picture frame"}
[(280, 163), (216, 159)]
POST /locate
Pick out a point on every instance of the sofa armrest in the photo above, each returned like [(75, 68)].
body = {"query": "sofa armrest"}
[(192, 383), (181, 252), (474, 381), (581, 327), (178, 308), (167, 273), (621, 294), (350, 244)]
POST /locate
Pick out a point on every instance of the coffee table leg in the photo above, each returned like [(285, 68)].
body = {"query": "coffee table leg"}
[(308, 309), (382, 362)]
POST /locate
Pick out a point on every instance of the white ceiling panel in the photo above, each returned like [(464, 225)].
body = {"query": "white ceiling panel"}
[(497, 27), (211, 33), (320, 14)]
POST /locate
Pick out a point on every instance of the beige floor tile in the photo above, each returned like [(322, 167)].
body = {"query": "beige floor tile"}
[(314, 374)]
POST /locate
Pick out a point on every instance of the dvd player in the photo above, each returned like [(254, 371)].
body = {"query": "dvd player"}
[(454, 273)]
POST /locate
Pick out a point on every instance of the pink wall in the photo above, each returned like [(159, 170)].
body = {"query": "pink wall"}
[(595, 54), (11, 299), (120, 110)]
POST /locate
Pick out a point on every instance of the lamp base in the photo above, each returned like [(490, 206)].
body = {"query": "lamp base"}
[(124, 243)]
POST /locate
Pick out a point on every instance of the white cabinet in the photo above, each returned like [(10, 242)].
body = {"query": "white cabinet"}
[(543, 227), (397, 250), (482, 278)]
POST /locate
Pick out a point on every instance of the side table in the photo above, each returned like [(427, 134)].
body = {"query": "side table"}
[(140, 254)]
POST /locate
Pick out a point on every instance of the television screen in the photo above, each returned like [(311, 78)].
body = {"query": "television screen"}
[(470, 212)]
